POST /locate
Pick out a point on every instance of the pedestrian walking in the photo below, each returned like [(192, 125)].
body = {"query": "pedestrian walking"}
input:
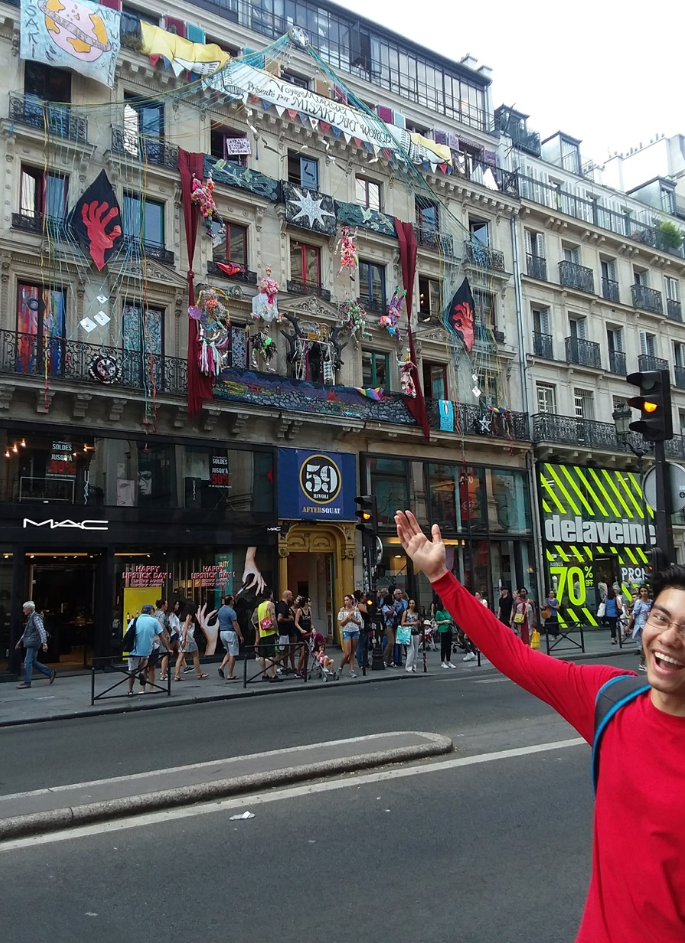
[(231, 637), (550, 614), (304, 627), (34, 638), (148, 631), (188, 645), (285, 618), (642, 753), (412, 620), (363, 646), (350, 622), (523, 617), (174, 629), (504, 606), (612, 612), (445, 625), (265, 637), (638, 618)]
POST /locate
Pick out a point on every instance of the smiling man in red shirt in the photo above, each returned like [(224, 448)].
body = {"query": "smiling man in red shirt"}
[(639, 818)]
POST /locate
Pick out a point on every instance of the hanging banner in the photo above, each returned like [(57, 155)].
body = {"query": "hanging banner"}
[(446, 415), (293, 98), (79, 35), (237, 147), (316, 485), (182, 55), (96, 222)]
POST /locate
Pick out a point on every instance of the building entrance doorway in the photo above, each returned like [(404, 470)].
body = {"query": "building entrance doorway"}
[(311, 574), (63, 588)]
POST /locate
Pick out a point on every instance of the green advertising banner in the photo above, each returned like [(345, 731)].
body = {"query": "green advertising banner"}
[(594, 530)]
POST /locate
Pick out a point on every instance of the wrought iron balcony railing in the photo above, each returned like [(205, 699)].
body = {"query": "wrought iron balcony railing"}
[(478, 254), (647, 299), (53, 226), (679, 377), (543, 345), (29, 355), (585, 353), (617, 362), (50, 117), (148, 148), (674, 310), (434, 239), (536, 267), (300, 288), (244, 275), (575, 276), (137, 249), (468, 421), (650, 362), (567, 430), (610, 290)]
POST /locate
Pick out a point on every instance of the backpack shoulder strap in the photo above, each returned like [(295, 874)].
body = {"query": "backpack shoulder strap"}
[(611, 697)]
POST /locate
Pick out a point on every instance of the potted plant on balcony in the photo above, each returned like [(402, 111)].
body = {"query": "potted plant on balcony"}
[(669, 235)]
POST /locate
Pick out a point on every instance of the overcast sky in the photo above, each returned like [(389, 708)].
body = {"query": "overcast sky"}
[(608, 72)]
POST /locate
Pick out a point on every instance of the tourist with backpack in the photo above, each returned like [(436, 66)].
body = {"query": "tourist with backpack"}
[(638, 733), (142, 632), (33, 639)]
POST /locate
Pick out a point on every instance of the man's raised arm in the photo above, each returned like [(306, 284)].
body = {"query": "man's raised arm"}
[(570, 689)]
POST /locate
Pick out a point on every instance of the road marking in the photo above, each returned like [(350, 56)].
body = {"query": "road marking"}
[(223, 805), (488, 680)]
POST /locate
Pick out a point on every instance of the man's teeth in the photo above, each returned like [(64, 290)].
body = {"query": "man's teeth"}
[(669, 660)]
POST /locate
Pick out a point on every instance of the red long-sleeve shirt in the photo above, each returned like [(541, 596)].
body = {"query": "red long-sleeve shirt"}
[(637, 887)]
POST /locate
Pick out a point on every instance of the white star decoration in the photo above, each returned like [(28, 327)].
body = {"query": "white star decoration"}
[(310, 208), (485, 424)]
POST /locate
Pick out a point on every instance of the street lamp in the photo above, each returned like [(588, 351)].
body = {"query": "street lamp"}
[(622, 416)]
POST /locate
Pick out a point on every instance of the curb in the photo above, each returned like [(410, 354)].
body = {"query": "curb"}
[(57, 819), (161, 704)]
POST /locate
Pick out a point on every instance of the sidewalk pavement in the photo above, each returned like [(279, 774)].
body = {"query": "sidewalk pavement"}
[(69, 696), (67, 806)]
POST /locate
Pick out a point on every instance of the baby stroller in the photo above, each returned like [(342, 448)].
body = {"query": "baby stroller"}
[(316, 665), (429, 633)]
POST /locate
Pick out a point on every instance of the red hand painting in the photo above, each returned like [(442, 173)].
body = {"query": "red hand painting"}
[(96, 217)]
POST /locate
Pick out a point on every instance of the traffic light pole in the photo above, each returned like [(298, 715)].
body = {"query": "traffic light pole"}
[(664, 509)]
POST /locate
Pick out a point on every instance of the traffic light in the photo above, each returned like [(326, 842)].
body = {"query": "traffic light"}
[(656, 561), (654, 403), (366, 512)]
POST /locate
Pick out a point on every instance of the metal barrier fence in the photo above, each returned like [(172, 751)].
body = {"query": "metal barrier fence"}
[(112, 664)]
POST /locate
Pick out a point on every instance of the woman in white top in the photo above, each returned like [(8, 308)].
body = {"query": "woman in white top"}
[(174, 637), (350, 621), (412, 620), (188, 643)]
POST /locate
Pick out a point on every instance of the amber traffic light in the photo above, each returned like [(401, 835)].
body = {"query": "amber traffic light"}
[(654, 402)]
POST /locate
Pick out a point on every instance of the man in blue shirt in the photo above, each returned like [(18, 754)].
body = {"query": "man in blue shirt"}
[(231, 636), (148, 631)]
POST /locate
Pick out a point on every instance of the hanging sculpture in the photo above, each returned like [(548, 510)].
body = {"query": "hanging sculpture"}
[(264, 304), (264, 350), (104, 369), (390, 320), (202, 194), (347, 247), (406, 379), (313, 359), (352, 315), (214, 330)]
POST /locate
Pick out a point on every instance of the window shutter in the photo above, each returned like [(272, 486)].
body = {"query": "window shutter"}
[(545, 327), (309, 173)]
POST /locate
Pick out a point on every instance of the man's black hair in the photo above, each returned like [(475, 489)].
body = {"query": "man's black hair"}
[(673, 575)]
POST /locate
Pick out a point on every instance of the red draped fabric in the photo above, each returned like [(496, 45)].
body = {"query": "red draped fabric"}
[(407, 241), (199, 385)]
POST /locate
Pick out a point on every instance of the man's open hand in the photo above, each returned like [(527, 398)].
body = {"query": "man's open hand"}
[(427, 555)]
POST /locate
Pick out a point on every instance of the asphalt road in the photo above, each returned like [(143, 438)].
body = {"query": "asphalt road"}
[(477, 708), (476, 854)]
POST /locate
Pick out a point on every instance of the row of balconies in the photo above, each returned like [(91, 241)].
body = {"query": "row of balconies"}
[(581, 278), (589, 354), (72, 360)]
